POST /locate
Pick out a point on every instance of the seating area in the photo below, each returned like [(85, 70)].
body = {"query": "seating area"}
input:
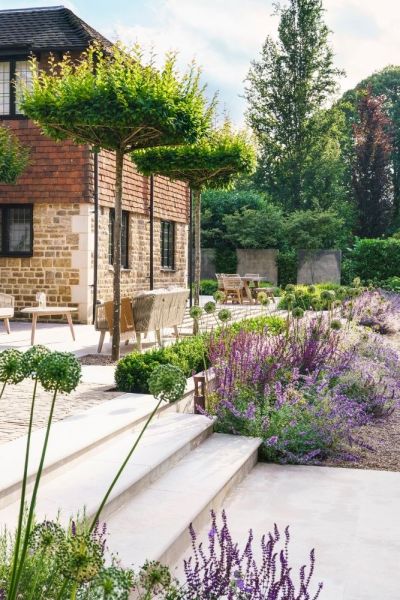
[(147, 312), (240, 289)]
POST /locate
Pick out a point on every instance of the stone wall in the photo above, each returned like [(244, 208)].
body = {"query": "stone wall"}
[(57, 266), (262, 262), (319, 266)]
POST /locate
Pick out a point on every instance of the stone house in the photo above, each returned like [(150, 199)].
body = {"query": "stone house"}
[(56, 231)]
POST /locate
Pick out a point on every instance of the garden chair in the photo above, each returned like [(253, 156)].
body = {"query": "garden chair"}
[(233, 288), (6, 309), (105, 320), (220, 281)]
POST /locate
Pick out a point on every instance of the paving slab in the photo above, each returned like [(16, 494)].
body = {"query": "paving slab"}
[(350, 517)]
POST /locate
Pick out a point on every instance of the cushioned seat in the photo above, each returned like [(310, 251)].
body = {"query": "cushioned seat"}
[(6, 309)]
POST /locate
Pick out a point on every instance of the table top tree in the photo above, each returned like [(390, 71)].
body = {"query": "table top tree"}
[(112, 99), (213, 162)]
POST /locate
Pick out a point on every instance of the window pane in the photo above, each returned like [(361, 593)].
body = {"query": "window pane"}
[(111, 238), (23, 76), (167, 244), (4, 88), (19, 235)]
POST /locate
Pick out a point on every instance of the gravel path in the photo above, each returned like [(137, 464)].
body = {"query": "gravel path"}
[(382, 438)]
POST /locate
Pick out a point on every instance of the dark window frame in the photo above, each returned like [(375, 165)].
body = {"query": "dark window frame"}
[(168, 245), (13, 114), (124, 242), (5, 230)]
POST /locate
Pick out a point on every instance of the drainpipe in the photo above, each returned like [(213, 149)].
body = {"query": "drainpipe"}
[(190, 249), (152, 232), (96, 228)]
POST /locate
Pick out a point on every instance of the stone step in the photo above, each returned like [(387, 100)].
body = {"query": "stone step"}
[(153, 525), (83, 485), (74, 437)]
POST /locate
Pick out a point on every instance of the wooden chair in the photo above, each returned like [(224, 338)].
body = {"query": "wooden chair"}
[(6, 310), (233, 288), (105, 314)]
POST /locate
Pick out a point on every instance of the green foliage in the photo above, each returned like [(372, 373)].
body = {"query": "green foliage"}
[(261, 227), (375, 259), (316, 229), (213, 162), (208, 287), (218, 203), (225, 260), (315, 297), (115, 100), (392, 284), (287, 267), (13, 156), (285, 103), (167, 383), (134, 370), (11, 370), (271, 324)]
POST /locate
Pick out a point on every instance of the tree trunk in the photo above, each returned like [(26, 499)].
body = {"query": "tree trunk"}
[(116, 334), (197, 245)]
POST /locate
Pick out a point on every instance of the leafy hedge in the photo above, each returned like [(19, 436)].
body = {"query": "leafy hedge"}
[(208, 287), (189, 354), (287, 267), (375, 260)]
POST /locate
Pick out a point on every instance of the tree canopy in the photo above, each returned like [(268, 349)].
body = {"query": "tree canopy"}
[(213, 163), (287, 86), (113, 100), (13, 156)]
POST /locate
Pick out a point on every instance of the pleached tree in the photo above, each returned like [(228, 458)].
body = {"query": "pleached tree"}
[(111, 99), (213, 163)]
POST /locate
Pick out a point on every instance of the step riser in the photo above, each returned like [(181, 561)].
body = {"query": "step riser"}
[(118, 502), (10, 494), (181, 544)]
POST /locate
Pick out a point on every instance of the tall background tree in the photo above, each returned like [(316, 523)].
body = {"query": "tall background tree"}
[(286, 90), (212, 163), (113, 100), (372, 176)]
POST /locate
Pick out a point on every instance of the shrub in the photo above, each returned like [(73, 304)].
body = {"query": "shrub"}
[(314, 297), (376, 259), (208, 287), (271, 324), (133, 371)]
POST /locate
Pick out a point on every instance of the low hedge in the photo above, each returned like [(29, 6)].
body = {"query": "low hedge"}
[(208, 287), (189, 354)]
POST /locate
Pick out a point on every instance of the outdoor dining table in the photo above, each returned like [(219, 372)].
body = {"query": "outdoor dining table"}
[(49, 311), (247, 280)]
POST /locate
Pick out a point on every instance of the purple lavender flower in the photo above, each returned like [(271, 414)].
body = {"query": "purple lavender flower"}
[(225, 571)]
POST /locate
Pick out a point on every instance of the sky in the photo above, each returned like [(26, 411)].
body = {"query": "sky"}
[(223, 36)]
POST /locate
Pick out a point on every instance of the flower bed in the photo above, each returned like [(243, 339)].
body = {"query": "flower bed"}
[(306, 392)]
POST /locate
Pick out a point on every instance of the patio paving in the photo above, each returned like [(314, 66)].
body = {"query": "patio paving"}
[(349, 516)]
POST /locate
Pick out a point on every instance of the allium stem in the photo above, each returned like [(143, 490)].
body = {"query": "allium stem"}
[(24, 484), (3, 388), (17, 576), (96, 518)]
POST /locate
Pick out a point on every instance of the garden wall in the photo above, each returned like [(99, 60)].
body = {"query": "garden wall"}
[(262, 262), (319, 266)]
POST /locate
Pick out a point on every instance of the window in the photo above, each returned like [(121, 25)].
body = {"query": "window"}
[(167, 244), (12, 71), (124, 239), (16, 230)]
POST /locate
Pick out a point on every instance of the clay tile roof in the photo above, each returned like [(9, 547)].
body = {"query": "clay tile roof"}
[(48, 28)]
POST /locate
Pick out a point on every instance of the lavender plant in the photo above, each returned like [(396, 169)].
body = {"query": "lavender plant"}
[(223, 570)]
